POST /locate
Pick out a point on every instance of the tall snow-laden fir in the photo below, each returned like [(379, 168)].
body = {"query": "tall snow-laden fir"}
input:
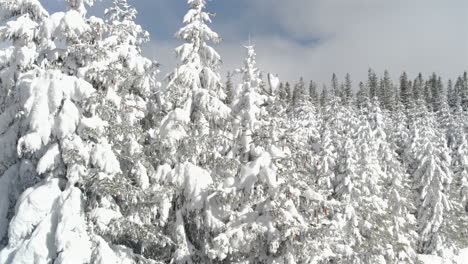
[(192, 146), (431, 176), (52, 157)]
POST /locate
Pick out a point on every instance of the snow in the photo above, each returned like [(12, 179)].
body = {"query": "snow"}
[(273, 82), (67, 120), (260, 169), (6, 182), (50, 159), (194, 181), (71, 240), (89, 144), (104, 158), (32, 207), (462, 257), (65, 25), (103, 217)]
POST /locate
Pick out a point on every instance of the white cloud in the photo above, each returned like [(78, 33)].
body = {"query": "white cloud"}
[(413, 35)]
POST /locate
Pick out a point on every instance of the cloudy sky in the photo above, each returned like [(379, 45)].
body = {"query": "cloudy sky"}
[(314, 38)]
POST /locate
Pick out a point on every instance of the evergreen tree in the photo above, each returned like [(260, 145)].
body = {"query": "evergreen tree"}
[(62, 145), (348, 90), (324, 96), (362, 96), (191, 146), (335, 87), (313, 94), (229, 89), (247, 108), (427, 95), (299, 93), (387, 92), (418, 89), (406, 93), (431, 179), (289, 92), (436, 97), (373, 84)]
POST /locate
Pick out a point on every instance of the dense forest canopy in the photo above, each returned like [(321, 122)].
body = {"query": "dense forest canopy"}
[(103, 160)]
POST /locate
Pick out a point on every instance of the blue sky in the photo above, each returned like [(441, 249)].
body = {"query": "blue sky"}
[(314, 38)]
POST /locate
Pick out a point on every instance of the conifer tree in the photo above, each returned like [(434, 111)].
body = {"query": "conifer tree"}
[(362, 96), (299, 93), (247, 108), (406, 94), (324, 96), (387, 92), (335, 87), (373, 84), (289, 92), (229, 86), (418, 89), (313, 94), (348, 90), (61, 143), (431, 180)]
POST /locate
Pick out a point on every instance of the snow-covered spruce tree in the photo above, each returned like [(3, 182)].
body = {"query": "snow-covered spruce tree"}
[(431, 176), (54, 157), (359, 185), (387, 92), (362, 96), (247, 109), (192, 142), (348, 90), (300, 93), (372, 84), (395, 186), (265, 225), (193, 96), (22, 22), (456, 224), (406, 93), (229, 89), (69, 136), (124, 209), (313, 94)]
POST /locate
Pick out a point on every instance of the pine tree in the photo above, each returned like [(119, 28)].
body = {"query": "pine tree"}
[(247, 108), (229, 87), (61, 142), (313, 94), (387, 92), (324, 96), (427, 96), (289, 92), (348, 90), (125, 101), (299, 93), (394, 187), (335, 87), (431, 178), (194, 94), (373, 84), (191, 144), (406, 94), (437, 94), (418, 89), (362, 96)]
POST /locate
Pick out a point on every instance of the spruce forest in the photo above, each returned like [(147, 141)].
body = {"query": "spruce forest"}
[(104, 160)]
